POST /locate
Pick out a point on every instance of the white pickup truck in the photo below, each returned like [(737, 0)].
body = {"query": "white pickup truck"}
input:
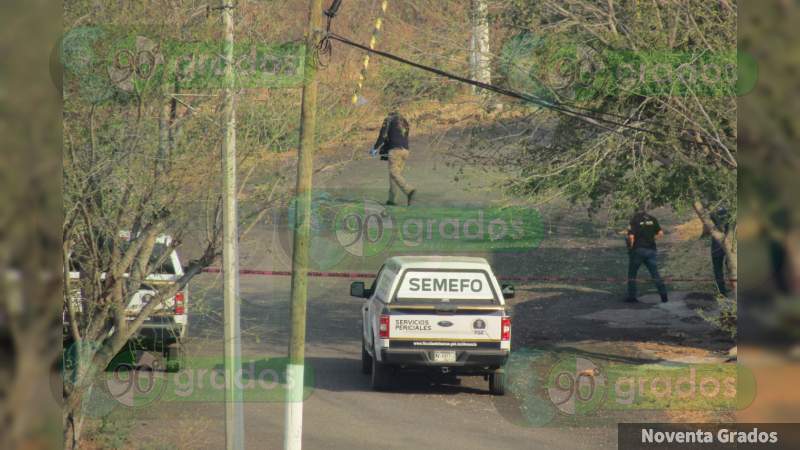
[(166, 327), (436, 313)]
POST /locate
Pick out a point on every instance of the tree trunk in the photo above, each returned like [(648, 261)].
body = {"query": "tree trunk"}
[(87, 361), (729, 244), (72, 420), (791, 245), (479, 61), (20, 420)]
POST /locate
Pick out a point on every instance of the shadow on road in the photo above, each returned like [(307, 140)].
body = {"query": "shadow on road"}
[(549, 317), (344, 375)]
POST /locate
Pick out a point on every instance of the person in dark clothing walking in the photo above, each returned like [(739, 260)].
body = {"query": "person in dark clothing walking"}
[(642, 235), (392, 145), (721, 219)]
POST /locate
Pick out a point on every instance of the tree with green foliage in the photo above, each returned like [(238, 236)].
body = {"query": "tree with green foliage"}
[(652, 90), (142, 135)]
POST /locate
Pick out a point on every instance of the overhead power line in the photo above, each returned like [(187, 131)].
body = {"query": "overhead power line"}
[(594, 120)]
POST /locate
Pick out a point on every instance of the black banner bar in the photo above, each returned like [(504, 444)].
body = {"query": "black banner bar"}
[(708, 436)]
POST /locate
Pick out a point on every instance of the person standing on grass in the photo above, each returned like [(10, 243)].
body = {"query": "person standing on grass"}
[(642, 235), (392, 145)]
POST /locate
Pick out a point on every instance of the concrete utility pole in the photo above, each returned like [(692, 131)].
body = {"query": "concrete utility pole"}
[(234, 415), (479, 61), (293, 433)]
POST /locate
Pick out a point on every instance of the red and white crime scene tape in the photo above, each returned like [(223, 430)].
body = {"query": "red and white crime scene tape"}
[(529, 278)]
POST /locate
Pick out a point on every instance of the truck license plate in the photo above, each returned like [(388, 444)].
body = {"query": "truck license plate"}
[(444, 356)]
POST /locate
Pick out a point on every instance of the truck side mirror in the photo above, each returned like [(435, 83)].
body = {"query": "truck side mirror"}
[(357, 289), (508, 291)]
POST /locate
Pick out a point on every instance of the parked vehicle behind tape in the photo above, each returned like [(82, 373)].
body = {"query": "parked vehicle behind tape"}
[(165, 329)]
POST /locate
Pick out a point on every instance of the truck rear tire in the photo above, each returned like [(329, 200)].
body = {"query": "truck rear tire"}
[(497, 383), (174, 357), (381, 375), (366, 359)]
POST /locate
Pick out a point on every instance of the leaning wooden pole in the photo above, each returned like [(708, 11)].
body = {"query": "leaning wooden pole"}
[(300, 255)]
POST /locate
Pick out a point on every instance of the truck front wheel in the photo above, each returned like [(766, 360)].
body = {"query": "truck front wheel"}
[(366, 359)]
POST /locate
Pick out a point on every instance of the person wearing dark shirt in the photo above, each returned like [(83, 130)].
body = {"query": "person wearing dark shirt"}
[(721, 219), (642, 235), (392, 145)]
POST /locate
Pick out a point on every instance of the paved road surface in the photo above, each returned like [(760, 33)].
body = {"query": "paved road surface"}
[(343, 412)]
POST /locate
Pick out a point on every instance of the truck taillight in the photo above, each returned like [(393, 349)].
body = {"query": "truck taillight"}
[(505, 329), (180, 303), (383, 327)]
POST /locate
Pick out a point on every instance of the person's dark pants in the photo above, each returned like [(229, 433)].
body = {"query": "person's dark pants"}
[(649, 258), (718, 261)]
